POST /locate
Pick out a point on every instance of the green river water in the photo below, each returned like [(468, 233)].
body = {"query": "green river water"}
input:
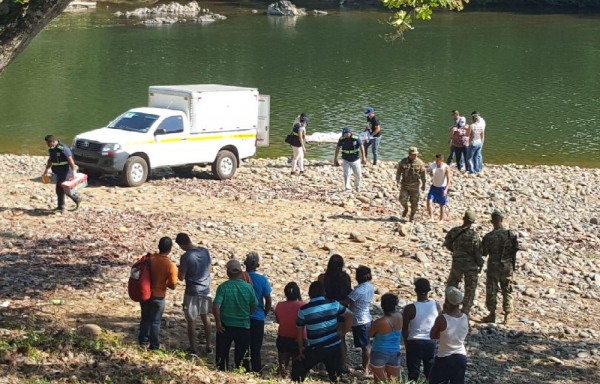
[(534, 78)]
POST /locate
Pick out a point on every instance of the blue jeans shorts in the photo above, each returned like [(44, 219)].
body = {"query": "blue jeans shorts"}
[(383, 359)]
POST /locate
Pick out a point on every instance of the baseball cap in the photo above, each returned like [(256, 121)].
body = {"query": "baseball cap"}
[(369, 111), (469, 216), (346, 130), (252, 259), (413, 151), (233, 266), (422, 285), (474, 113), (497, 214), (454, 296)]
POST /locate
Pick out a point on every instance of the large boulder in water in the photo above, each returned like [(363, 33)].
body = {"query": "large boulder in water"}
[(285, 8)]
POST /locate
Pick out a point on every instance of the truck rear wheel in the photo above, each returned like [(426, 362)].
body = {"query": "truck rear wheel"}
[(135, 172), (225, 165)]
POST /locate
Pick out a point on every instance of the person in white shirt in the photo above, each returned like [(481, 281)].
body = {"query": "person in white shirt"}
[(451, 328), (418, 319), (440, 181), (360, 304), (476, 133)]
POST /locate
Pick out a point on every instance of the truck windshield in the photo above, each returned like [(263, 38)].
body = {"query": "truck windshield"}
[(134, 121)]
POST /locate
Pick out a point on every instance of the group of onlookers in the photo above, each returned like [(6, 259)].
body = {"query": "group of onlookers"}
[(466, 142), (310, 332)]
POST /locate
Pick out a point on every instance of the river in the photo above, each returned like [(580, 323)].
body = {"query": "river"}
[(535, 78)]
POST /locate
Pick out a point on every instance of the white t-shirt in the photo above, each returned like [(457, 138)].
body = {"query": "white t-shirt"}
[(361, 298), (477, 130), (439, 174)]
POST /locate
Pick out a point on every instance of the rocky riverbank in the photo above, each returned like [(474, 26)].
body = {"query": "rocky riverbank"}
[(295, 223)]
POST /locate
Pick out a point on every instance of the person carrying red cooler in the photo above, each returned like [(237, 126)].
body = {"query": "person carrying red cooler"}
[(61, 161)]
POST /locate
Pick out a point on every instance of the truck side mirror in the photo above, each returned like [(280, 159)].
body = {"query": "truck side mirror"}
[(160, 131)]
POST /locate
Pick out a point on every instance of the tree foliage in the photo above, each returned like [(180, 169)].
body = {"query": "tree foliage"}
[(407, 11)]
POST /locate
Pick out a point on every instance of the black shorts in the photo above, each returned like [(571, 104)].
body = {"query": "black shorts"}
[(287, 345), (361, 335)]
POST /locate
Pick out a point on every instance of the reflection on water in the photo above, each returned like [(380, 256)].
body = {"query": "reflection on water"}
[(534, 78)]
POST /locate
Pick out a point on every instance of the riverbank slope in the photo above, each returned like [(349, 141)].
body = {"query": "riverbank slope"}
[(294, 223)]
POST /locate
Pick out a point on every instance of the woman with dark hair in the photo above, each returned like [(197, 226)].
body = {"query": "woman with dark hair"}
[(285, 314), (386, 332), (337, 285)]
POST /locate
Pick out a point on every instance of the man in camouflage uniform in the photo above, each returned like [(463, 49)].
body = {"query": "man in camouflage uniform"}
[(411, 173), (465, 245), (501, 245)]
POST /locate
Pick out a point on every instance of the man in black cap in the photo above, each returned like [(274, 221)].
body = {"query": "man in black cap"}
[(61, 161), (418, 318), (352, 151), (501, 245)]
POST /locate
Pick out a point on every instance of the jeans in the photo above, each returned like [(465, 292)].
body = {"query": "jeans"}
[(448, 370), (152, 311), (356, 170), (375, 141), (418, 351), (241, 338), (62, 174), (460, 153), (257, 333), (331, 357), (474, 158)]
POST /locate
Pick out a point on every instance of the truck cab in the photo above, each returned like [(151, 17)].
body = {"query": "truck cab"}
[(183, 126)]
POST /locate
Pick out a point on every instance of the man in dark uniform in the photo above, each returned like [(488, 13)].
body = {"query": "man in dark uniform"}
[(374, 132), (352, 151), (61, 161)]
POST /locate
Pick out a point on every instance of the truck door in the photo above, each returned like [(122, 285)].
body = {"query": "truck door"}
[(170, 141), (264, 121)]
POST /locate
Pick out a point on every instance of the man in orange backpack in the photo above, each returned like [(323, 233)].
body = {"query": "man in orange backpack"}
[(163, 275)]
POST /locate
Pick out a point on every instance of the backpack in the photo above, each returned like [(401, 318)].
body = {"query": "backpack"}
[(139, 286)]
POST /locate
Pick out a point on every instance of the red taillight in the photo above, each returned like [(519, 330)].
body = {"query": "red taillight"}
[(111, 154)]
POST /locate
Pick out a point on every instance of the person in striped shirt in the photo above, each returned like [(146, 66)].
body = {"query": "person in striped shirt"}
[(323, 344)]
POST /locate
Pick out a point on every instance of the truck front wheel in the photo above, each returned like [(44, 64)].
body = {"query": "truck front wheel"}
[(225, 165), (135, 172)]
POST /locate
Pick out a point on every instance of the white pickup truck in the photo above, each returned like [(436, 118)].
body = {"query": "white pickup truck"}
[(183, 126)]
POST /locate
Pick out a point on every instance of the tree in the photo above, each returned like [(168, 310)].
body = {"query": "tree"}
[(410, 10), (21, 21)]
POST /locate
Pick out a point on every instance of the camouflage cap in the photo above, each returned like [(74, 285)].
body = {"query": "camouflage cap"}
[(497, 214), (413, 151), (469, 216)]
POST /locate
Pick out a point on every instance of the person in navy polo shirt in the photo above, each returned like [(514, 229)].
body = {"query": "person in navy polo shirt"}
[(61, 162), (323, 345)]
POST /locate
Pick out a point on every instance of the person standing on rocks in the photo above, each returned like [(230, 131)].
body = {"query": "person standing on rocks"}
[(163, 275), (459, 141), (476, 134), (286, 313), (451, 329), (234, 301), (61, 161), (194, 268), (501, 246), (387, 336), (411, 174), (465, 244), (323, 345), (298, 140), (374, 129), (352, 150), (360, 304), (440, 182), (262, 289), (418, 319)]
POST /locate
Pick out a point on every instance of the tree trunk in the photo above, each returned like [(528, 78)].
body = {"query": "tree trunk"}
[(21, 21)]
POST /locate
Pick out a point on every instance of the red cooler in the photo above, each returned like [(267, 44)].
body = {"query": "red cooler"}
[(75, 184)]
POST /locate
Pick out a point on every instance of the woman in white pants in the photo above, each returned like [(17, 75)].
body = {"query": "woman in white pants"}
[(298, 148)]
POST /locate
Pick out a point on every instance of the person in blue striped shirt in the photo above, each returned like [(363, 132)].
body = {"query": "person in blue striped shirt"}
[(323, 344)]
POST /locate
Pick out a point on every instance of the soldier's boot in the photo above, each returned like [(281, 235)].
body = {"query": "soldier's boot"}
[(413, 213), (506, 318), (405, 212), (491, 318)]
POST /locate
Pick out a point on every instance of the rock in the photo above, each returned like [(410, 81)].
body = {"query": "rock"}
[(91, 331), (285, 8), (422, 258), (363, 199), (404, 229), (594, 220), (556, 360), (358, 237), (583, 354)]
